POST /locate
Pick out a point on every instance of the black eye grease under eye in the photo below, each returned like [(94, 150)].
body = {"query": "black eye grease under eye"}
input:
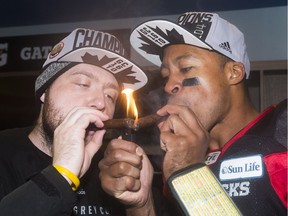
[(191, 81)]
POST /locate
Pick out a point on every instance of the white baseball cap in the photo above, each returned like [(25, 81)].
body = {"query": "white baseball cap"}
[(201, 29), (92, 47)]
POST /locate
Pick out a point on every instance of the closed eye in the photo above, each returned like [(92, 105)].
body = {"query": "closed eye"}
[(185, 69), (84, 85), (111, 98)]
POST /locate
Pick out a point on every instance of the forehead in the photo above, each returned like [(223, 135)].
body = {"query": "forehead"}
[(183, 50), (178, 52)]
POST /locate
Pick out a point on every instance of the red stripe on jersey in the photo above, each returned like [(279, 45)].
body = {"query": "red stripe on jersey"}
[(276, 165)]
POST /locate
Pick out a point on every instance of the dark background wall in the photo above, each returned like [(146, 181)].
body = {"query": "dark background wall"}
[(30, 12)]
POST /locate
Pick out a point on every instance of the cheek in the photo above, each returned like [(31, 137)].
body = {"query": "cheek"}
[(66, 101), (110, 109), (209, 89)]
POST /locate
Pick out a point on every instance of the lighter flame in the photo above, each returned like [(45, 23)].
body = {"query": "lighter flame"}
[(131, 105)]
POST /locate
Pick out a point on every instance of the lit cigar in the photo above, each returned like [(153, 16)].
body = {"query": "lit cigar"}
[(129, 123), (147, 121), (124, 123)]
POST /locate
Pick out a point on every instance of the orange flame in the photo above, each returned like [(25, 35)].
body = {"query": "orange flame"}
[(131, 105)]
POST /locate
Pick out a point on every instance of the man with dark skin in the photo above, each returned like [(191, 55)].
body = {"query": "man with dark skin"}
[(209, 117), (215, 94)]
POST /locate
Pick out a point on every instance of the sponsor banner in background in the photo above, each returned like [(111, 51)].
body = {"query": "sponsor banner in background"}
[(28, 53)]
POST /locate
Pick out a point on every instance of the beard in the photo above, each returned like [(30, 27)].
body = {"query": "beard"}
[(51, 119)]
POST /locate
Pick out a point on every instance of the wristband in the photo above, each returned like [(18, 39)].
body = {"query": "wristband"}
[(71, 176), (198, 191)]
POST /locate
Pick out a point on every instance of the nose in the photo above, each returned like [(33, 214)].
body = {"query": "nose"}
[(173, 85), (98, 102)]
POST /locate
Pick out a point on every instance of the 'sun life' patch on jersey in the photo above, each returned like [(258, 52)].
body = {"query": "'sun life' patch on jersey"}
[(240, 168)]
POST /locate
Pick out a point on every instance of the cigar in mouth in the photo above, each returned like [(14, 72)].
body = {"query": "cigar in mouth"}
[(129, 123)]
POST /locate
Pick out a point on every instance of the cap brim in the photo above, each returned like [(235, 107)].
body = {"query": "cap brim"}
[(149, 38), (126, 72)]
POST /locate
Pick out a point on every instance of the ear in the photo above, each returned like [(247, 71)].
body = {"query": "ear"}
[(42, 98), (235, 72)]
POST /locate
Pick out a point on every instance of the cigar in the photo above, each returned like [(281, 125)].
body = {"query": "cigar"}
[(123, 123), (146, 121), (129, 123)]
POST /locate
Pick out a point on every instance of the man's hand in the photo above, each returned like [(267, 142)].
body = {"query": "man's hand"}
[(74, 146), (126, 173), (183, 138)]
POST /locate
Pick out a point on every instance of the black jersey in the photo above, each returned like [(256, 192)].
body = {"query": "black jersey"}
[(252, 166), (29, 185)]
